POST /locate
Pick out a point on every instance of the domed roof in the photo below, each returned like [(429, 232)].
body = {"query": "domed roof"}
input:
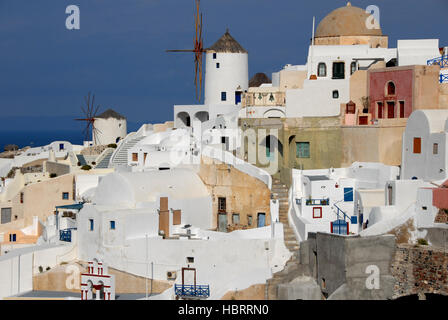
[(346, 21)]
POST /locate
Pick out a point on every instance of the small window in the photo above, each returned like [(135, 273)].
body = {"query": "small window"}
[(353, 67), (217, 65), (249, 220), (390, 109), (317, 212), (135, 155), (435, 148), (214, 56), (64, 195), (21, 197), (322, 70), (12, 237), (335, 94), (235, 218), (424, 208), (222, 205), (417, 145), (91, 223), (302, 149), (190, 259), (223, 96), (112, 225)]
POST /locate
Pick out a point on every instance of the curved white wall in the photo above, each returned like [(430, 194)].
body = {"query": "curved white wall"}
[(109, 130), (233, 71)]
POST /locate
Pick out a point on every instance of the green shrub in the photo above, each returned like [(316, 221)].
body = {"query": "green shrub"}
[(112, 145), (422, 242), (53, 175), (86, 167), (41, 269)]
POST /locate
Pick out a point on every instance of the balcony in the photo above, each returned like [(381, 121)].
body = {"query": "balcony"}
[(192, 291), (317, 202)]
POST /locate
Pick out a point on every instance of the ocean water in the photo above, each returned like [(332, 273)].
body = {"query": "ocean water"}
[(38, 138)]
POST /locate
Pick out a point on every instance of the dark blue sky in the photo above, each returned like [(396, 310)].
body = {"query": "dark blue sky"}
[(119, 52)]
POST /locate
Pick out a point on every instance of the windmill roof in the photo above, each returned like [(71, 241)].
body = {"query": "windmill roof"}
[(258, 79), (109, 113), (227, 44)]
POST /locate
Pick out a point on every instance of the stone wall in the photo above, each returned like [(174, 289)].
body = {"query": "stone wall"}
[(420, 269)]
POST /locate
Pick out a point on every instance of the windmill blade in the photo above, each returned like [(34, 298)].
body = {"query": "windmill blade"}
[(84, 111), (96, 110)]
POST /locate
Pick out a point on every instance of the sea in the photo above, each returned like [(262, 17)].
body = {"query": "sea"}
[(38, 138)]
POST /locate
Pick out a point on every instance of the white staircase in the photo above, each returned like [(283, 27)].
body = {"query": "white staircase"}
[(105, 159), (120, 157)]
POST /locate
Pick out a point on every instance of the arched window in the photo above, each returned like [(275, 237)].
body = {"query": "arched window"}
[(353, 67), (322, 70), (390, 88)]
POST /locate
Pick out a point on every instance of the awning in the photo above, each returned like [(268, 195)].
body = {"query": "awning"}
[(75, 206)]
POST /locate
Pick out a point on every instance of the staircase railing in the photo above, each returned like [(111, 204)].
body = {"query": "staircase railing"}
[(339, 210), (443, 78), (121, 145)]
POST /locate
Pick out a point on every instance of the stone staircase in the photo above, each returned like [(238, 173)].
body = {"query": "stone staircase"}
[(287, 274), (121, 156), (104, 162)]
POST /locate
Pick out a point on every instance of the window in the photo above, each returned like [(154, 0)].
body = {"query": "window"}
[(353, 67), (390, 109), (335, 94), (177, 217), (135, 156), (144, 157), (322, 70), (190, 259), (222, 205), (269, 152), (91, 224), (235, 218), (249, 220), (64, 195), (417, 145), (435, 148), (112, 225), (214, 56), (21, 197), (339, 70), (12, 237), (302, 149), (217, 65), (348, 194), (401, 109), (61, 146), (223, 96), (380, 108), (6, 215), (317, 212), (363, 120), (261, 219), (390, 88)]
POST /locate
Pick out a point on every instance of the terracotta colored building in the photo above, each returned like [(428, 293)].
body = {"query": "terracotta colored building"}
[(397, 91)]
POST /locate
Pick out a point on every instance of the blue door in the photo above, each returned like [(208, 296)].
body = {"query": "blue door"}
[(237, 97), (339, 227), (261, 220)]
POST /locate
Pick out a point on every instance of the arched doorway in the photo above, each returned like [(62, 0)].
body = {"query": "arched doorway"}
[(183, 120), (202, 116)]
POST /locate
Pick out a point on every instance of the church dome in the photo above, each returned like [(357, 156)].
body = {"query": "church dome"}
[(346, 21)]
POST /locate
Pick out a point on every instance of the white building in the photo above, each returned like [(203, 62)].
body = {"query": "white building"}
[(337, 200), (424, 153)]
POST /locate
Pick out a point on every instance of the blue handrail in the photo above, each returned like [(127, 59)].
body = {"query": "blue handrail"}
[(443, 78), (344, 214), (192, 291)]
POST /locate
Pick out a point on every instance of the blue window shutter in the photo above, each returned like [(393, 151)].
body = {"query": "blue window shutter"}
[(348, 194), (354, 220)]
